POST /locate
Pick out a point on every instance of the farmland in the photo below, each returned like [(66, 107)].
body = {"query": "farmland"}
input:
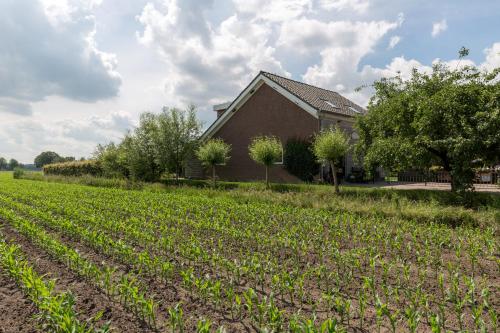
[(92, 259)]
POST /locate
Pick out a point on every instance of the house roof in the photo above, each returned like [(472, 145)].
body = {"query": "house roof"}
[(319, 98), (313, 100)]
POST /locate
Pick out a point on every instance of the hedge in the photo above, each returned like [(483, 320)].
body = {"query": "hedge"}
[(299, 159), (74, 168)]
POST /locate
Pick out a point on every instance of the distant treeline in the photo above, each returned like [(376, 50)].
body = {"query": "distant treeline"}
[(8, 165)]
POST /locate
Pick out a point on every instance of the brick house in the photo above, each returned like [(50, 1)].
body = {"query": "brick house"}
[(274, 105)]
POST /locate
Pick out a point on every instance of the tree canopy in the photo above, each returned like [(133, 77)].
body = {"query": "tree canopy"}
[(266, 150), (330, 146), (213, 152), (3, 163), (49, 157), (448, 117), (160, 144)]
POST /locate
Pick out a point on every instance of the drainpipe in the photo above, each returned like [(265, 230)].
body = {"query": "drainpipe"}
[(320, 165)]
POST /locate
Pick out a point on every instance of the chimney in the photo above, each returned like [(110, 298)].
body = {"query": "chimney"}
[(220, 108)]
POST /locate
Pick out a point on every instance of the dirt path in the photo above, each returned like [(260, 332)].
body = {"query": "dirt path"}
[(425, 186)]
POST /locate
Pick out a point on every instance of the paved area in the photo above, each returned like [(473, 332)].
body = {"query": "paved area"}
[(427, 186)]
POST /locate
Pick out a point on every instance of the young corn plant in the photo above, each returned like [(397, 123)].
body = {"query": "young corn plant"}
[(176, 318)]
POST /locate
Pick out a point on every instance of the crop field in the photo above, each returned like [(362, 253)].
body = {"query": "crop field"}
[(77, 258)]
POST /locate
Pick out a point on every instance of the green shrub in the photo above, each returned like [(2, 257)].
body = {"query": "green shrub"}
[(75, 168), (18, 173), (299, 159)]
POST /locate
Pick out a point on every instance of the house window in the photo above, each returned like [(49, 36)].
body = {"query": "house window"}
[(280, 162)]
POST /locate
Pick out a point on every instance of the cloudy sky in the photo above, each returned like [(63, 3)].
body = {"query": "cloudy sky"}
[(74, 73)]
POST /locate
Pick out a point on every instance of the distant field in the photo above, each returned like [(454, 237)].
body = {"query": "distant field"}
[(300, 259)]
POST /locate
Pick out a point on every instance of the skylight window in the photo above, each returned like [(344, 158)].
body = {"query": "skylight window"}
[(353, 109), (333, 105)]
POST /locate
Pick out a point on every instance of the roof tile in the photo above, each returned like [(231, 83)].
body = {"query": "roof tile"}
[(319, 98)]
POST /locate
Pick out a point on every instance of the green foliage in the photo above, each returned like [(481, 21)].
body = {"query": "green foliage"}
[(113, 160), (262, 258), (331, 145), (49, 157), (3, 163), (13, 164), (75, 168), (56, 311), (449, 117), (18, 173), (214, 151), (265, 150), (176, 138), (160, 145), (299, 159)]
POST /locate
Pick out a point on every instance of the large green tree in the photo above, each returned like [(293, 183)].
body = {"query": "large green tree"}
[(448, 117), (160, 144), (13, 164), (47, 157), (176, 138)]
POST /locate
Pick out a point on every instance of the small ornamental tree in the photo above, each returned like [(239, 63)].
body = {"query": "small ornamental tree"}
[(266, 150), (213, 152), (329, 147)]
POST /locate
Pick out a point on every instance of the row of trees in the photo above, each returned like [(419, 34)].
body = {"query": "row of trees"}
[(161, 144), (8, 165), (329, 147)]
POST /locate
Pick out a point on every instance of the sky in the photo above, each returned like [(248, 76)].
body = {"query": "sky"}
[(75, 73)]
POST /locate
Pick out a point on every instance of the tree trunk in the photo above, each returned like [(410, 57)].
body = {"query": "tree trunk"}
[(213, 176), (267, 176), (452, 182), (335, 180)]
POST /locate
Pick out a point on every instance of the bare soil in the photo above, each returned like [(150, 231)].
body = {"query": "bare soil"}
[(16, 311)]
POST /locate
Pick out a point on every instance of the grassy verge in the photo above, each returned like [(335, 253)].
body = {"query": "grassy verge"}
[(422, 206)]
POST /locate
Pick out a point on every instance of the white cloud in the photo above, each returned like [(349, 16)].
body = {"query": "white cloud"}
[(492, 55), (439, 27), (206, 64), (359, 6), (49, 49), (26, 138), (276, 10), (394, 41), (97, 128), (341, 45)]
